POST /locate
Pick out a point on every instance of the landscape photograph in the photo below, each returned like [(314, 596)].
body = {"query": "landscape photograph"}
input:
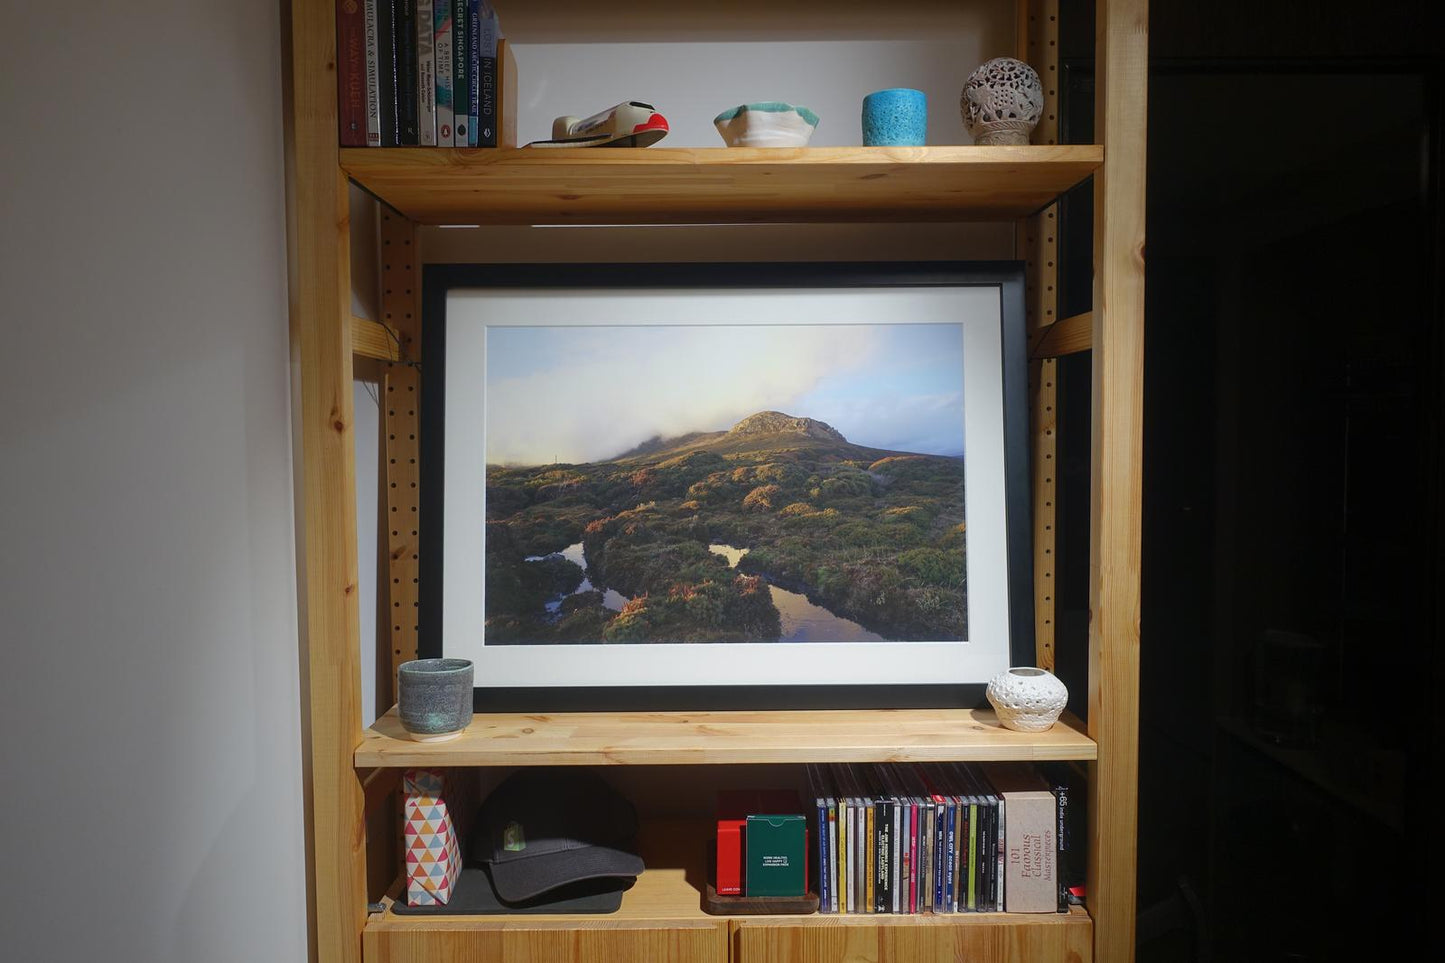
[(724, 483)]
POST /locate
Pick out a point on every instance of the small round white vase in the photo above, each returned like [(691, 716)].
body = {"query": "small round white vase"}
[(1027, 699)]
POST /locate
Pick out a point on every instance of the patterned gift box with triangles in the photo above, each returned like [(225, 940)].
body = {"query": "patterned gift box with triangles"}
[(432, 835)]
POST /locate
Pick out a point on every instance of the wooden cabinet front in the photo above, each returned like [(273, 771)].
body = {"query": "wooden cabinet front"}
[(986, 938), (681, 941)]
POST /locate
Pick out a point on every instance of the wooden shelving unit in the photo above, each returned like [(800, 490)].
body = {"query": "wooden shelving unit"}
[(722, 738), (662, 915), (663, 920), (662, 185)]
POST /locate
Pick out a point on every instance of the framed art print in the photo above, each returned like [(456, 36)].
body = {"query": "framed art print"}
[(695, 486)]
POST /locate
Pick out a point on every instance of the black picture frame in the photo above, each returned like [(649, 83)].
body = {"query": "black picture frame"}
[(441, 281)]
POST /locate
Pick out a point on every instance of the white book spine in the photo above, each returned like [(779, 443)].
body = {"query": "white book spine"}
[(442, 40), (373, 77), (426, 69), (1002, 853)]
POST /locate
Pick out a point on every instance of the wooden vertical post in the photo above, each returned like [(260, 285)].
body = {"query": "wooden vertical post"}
[(318, 235), (1121, 101), (1037, 246)]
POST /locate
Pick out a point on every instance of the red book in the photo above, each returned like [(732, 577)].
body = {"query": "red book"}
[(351, 72)]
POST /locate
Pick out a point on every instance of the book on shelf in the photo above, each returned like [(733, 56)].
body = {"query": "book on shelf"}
[(1066, 783), (827, 841), (487, 85), (1032, 882), (912, 838), (991, 819), (426, 66), (386, 72), (406, 72), (373, 73), (442, 53), (351, 72), (461, 104), (474, 67), (422, 73)]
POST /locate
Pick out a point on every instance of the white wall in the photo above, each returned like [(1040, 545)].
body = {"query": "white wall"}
[(152, 793)]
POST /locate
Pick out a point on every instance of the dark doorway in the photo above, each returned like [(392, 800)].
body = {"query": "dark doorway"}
[(1292, 487)]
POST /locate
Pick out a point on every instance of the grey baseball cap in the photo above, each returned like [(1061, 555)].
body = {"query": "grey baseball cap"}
[(542, 828)]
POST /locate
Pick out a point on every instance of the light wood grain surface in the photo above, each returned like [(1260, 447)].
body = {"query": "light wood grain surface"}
[(718, 185), (1037, 244), (369, 339), (1121, 111), (670, 738), (401, 413), (994, 937), (1069, 336), (318, 229)]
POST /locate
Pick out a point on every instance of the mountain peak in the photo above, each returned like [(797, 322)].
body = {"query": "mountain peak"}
[(776, 422)]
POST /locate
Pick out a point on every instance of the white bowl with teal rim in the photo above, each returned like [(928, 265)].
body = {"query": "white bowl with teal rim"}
[(767, 124)]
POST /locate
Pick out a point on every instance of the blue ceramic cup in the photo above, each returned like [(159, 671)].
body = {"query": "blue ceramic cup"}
[(895, 117), (434, 698)]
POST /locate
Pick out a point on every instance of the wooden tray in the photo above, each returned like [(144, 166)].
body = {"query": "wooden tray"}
[(757, 905)]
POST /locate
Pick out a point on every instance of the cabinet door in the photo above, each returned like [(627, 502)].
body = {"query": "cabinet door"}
[(978, 939), (676, 942)]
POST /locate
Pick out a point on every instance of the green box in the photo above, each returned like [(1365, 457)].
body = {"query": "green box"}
[(777, 858)]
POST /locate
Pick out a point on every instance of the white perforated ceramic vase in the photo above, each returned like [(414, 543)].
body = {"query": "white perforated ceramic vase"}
[(1027, 699), (1002, 102)]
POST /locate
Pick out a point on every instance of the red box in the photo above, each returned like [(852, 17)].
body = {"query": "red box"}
[(734, 806)]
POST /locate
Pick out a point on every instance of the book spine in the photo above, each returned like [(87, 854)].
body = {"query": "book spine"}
[(474, 67), (915, 861), (905, 862), (426, 70), (386, 70), (988, 857), (461, 105), (847, 851), (820, 837), (442, 51), (973, 855), (1061, 839), (834, 854), (940, 851), (825, 856), (935, 814), (1002, 859), (900, 855), (487, 79), (373, 74), (871, 859), (850, 885), (1002, 851), (843, 853), (351, 73), (406, 83), (828, 850), (951, 849), (925, 876), (883, 825)]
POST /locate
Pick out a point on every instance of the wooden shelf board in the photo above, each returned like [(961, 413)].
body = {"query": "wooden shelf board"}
[(690, 738), (669, 893), (676, 185)]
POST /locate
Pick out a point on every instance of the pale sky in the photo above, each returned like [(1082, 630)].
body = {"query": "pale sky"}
[(580, 394)]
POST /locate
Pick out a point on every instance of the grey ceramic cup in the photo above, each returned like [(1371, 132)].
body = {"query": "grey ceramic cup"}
[(434, 697)]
